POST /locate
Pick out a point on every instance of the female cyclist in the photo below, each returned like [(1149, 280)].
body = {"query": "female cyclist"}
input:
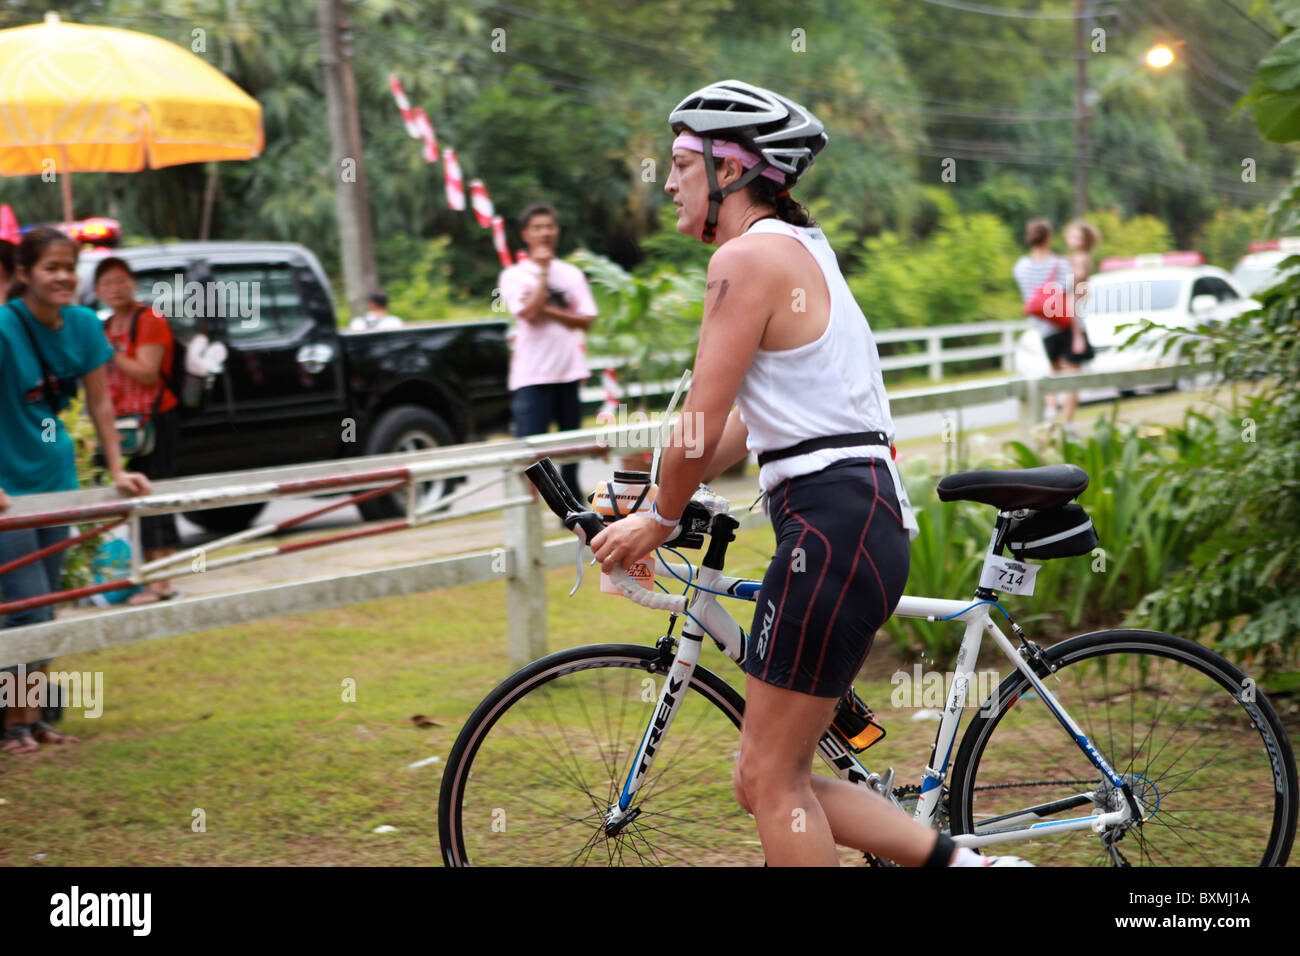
[(784, 341)]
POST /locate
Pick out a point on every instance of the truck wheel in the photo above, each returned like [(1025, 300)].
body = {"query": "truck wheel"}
[(226, 520), (407, 428)]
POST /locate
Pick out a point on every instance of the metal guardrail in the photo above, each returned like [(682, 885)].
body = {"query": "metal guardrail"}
[(521, 563)]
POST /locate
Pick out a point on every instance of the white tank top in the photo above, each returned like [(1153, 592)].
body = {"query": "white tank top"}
[(830, 386)]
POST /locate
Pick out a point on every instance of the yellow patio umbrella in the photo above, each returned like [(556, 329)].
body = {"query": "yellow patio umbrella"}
[(83, 99)]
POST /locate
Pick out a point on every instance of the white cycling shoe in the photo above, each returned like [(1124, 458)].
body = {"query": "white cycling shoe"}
[(1007, 861)]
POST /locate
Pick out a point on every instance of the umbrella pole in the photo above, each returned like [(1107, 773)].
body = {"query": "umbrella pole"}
[(65, 180)]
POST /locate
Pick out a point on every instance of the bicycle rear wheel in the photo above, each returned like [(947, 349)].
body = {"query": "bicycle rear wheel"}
[(1212, 766), (540, 761)]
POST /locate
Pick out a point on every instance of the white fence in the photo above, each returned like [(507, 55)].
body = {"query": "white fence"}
[(933, 358), (522, 562)]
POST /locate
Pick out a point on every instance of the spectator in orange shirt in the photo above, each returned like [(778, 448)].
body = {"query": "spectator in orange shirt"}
[(137, 383)]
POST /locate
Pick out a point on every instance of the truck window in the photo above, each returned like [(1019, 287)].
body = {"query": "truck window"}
[(258, 302)]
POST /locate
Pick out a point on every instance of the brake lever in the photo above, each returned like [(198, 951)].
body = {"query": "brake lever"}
[(582, 542), (578, 522)]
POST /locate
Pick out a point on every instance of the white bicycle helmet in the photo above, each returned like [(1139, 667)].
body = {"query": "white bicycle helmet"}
[(785, 135)]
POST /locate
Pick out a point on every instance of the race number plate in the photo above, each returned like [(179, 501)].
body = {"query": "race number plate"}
[(1009, 575)]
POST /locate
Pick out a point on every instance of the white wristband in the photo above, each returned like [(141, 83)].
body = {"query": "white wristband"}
[(654, 513)]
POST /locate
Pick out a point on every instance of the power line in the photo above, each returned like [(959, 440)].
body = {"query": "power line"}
[(1251, 20), (1013, 154), (1045, 52), (1019, 14)]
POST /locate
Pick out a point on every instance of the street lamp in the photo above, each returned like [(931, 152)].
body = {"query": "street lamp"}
[(1159, 57)]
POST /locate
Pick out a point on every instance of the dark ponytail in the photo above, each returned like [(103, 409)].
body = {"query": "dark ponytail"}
[(30, 250), (788, 209)]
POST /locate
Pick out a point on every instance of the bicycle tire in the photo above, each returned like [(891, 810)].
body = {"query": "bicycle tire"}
[(502, 803), (1234, 780)]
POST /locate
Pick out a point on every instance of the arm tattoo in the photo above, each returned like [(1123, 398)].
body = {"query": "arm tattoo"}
[(723, 285)]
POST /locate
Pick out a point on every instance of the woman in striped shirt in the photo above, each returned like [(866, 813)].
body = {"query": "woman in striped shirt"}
[(1066, 348)]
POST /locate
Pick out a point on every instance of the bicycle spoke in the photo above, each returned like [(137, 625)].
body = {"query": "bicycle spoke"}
[(558, 756)]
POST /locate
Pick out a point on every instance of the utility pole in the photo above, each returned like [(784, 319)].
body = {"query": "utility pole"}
[(210, 189), (356, 243), (1081, 146)]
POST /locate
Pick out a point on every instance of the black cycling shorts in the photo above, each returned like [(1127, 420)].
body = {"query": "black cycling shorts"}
[(841, 563), (1060, 345)]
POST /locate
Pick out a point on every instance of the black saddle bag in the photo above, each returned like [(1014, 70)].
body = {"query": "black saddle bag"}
[(1057, 533)]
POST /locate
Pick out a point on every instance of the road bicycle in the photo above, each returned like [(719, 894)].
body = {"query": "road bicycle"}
[(1117, 747)]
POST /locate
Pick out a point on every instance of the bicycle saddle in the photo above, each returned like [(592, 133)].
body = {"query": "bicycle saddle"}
[(1037, 488)]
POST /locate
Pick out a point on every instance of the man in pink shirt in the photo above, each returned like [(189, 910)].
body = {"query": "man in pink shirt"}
[(553, 307)]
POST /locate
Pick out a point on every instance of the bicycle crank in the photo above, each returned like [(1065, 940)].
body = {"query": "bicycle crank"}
[(906, 798)]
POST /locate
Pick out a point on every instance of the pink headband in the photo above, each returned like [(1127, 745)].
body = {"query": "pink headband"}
[(722, 149)]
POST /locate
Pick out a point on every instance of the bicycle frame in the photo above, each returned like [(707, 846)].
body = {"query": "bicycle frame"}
[(706, 616)]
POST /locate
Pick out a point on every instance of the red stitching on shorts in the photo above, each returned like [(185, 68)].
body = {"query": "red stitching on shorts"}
[(884, 598), (803, 631), (852, 571)]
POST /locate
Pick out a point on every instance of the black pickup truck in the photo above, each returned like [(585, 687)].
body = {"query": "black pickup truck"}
[(295, 388)]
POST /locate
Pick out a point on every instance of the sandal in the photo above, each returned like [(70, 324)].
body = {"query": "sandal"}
[(48, 735), (19, 740)]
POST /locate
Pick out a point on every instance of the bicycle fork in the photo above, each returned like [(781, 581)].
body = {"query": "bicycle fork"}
[(670, 698)]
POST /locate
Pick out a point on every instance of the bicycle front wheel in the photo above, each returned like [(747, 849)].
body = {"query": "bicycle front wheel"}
[(1203, 752), (542, 759)]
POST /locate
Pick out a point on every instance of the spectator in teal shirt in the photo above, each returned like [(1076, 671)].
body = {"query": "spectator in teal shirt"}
[(46, 345)]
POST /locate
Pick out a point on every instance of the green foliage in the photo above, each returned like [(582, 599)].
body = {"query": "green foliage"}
[(1009, 196), (666, 248), (961, 273), (425, 293), (1229, 233), (1122, 238), (77, 560), (1275, 96)]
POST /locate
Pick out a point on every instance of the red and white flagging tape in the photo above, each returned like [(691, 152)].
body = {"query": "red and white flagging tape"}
[(481, 202), (419, 127), (455, 185), (416, 120)]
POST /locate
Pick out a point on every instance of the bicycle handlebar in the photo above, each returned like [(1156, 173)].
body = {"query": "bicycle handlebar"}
[(546, 479)]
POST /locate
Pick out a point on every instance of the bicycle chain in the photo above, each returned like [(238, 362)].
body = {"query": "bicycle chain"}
[(1033, 783)]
